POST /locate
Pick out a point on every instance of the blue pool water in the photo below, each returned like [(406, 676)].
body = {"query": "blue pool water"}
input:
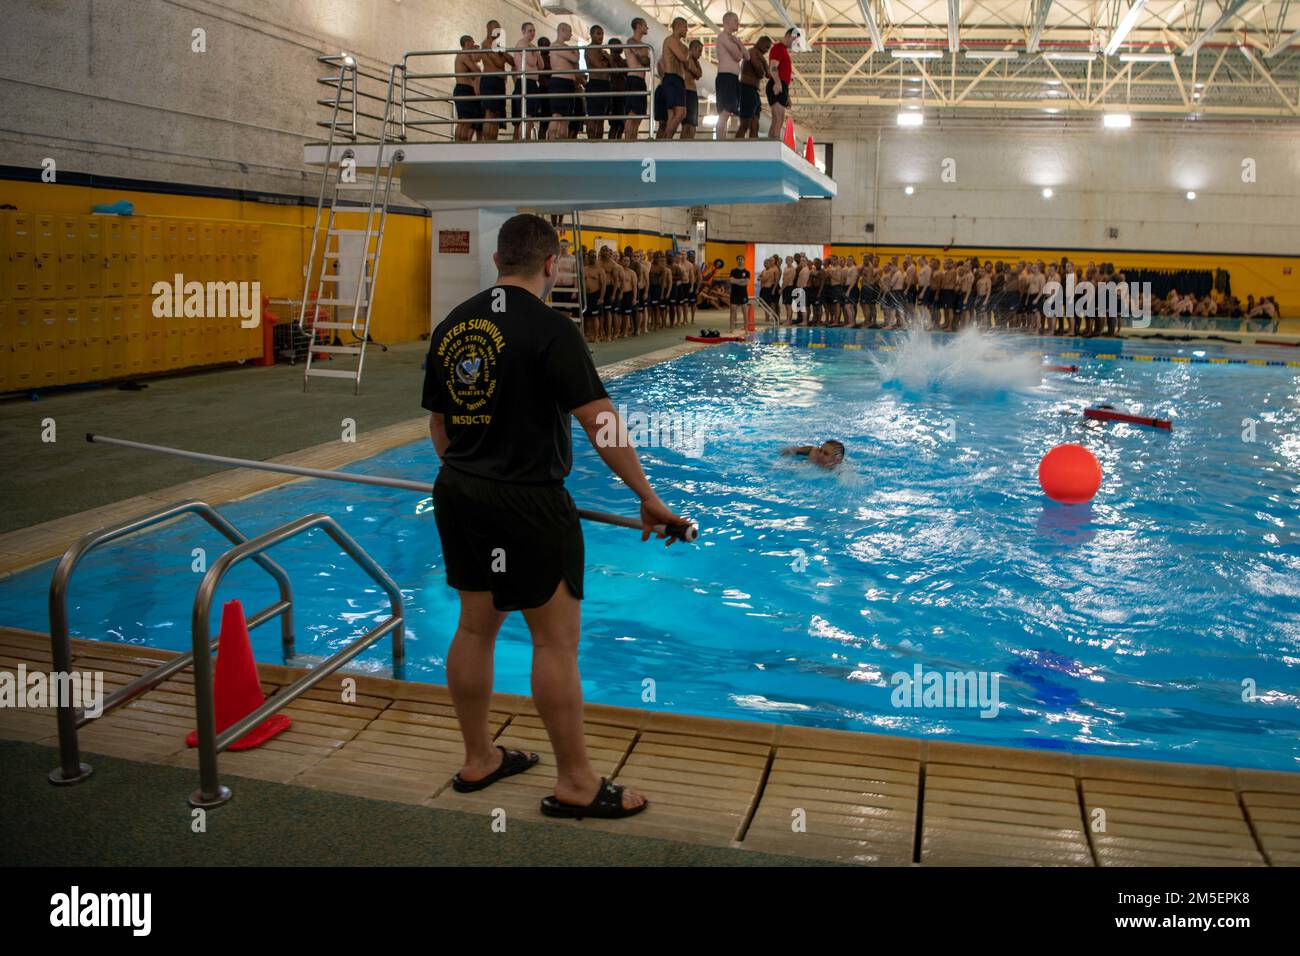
[(1128, 627)]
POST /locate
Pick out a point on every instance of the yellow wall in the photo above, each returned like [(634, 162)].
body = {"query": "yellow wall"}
[(401, 310)]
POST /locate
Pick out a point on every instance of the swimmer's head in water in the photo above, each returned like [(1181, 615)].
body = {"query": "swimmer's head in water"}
[(828, 454)]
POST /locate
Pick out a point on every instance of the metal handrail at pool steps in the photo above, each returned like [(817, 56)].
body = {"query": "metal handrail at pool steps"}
[(835, 795)]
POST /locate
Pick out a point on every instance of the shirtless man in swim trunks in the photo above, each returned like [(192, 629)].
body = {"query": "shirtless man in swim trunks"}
[(495, 60), (469, 112), (788, 276), (563, 81)]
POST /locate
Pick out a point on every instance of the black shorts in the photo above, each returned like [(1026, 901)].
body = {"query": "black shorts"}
[(787, 294), (562, 105), (727, 89), (692, 108), (532, 101), (749, 104), (634, 98), (493, 86), (661, 106), (611, 299), (597, 105), (774, 98), (674, 89), (517, 541), (627, 303), (466, 109)]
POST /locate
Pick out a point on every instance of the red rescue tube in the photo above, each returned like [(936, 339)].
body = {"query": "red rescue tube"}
[(1060, 368), (1290, 345), (1110, 415), (713, 339)]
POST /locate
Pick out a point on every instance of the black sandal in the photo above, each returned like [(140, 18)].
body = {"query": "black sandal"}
[(512, 762), (607, 805)]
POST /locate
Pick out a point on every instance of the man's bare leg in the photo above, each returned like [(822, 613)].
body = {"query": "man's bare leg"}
[(469, 678), (557, 693)]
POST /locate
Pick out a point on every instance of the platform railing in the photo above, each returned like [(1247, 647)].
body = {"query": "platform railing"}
[(210, 792), (416, 97), (71, 769)]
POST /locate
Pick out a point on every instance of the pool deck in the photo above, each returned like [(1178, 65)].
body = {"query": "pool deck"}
[(821, 794), (833, 795)]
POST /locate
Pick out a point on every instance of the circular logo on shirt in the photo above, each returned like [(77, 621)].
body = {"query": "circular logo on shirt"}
[(469, 355)]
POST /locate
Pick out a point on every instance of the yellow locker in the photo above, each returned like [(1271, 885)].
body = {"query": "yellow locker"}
[(45, 255), (93, 340), (47, 330), (16, 256), (207, 252), (6, 349), (173, 248), (136, 329), (69, 257), (153, 252), (174, 348), (223, 270), (154, 334), (253, 252), (189, 267), (72, 341), (133, 253), (112, 233), (115, 337), (92, 258), (239, 252), (22, 338)]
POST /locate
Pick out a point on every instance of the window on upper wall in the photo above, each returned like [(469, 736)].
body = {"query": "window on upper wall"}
[(824, 153)]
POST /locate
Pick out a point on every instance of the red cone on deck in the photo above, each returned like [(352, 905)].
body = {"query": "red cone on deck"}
[(236, 687), (808, 152), (789, 134)]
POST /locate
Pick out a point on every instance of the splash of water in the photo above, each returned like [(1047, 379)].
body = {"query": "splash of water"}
[(966, 362)]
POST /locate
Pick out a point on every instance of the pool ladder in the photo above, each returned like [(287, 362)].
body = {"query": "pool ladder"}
[(72, 770)]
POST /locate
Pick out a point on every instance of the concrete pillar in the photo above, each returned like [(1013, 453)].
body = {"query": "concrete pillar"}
[(456, 275)]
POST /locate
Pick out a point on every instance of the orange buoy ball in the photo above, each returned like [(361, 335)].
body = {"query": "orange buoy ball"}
[(1070, 474)]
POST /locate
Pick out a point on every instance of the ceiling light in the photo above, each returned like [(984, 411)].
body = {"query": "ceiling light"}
[(909, 190), (906, 54), (1070, 57), (1146, 58), (992, 55), (1047, 192), (911, 118), (1191, 194), (1117, 120)]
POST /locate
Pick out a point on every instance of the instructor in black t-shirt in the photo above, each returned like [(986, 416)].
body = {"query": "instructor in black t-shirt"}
[(504, 373)]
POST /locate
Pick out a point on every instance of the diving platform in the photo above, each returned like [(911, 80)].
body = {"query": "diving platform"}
[(582, 175)]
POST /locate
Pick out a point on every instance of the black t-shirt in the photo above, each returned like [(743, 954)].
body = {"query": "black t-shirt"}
[(740, 293), (505, 382)]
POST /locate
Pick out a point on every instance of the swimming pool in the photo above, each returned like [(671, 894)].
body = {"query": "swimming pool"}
[(1131, 627)]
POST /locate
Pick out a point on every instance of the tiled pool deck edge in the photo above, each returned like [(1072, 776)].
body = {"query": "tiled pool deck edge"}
[(838, 795)]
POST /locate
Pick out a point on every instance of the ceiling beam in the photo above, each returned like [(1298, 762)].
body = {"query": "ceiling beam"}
[(1040, 21), (699, 10), (784, 14), (954, 25), (1255, 64), (1125, 24), (1282, 44), (1229, 11), (877, 42)]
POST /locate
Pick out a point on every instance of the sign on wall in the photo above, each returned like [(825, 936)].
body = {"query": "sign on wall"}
[(453, 241)]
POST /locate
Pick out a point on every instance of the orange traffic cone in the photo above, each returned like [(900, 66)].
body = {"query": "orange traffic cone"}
[(749, 318), (808, 153), (789, 134), (237, 690)]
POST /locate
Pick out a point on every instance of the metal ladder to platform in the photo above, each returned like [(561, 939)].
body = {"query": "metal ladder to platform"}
[(570, 228), (349, 256), (210, 793)]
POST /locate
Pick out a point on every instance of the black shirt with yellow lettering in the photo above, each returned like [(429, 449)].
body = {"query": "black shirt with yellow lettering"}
[(505, 370)]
